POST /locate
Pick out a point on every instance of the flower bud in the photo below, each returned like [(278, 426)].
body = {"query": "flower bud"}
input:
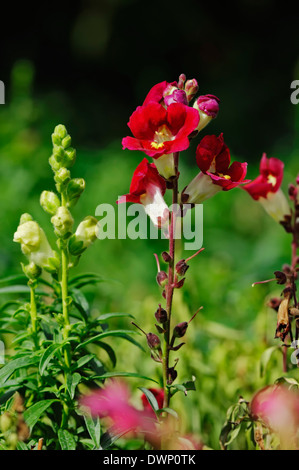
[(166, 257), (178, 96), (34, 244), (5, 422), (66, 142), (84, 236), (29, 235), (172, 375), (25, 218), (280, 277), (58, 153), (70, 154), (191, 88), (162, 278), (293, 191), (180, 330), (62, 221), (62, 175), (161, 315), (182, 79), (31, 270), (153, 341), (208, 108), (49, 202), (74, 190), (181, 267), (59, 133)]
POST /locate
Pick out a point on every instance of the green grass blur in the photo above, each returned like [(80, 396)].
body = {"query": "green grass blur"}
[(242, 244)]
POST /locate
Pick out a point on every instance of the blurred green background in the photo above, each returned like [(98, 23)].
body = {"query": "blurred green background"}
[(88, 64)]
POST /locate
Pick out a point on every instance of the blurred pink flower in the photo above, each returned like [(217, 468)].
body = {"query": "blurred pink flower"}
[(278, 408), (113, 402)]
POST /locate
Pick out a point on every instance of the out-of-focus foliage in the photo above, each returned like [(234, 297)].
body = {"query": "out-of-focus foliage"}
[(242, 244)]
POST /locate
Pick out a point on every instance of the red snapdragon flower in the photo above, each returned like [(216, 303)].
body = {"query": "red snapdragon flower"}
[(148, 188), (217, 172), (266, 188), (158, 131)]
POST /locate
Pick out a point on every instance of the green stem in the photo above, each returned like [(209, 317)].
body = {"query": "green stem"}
[(65, 313), (33, 314)]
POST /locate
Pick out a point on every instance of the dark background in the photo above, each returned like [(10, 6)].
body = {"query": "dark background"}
[(95, 61)]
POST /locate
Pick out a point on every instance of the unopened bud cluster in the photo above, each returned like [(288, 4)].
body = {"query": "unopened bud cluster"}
[(31, 236)]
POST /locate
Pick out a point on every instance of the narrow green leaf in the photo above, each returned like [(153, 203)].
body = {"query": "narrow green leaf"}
[(47, 356), (66, 440), (265, 358), (169, 411), (82, 361), (109, 351), (110, 437), (121, 374), (15, 364), (33, 414), (107, 316), (118, 333), (150, 398)]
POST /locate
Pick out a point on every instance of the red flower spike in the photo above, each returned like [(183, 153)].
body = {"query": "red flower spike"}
[(148, 188), (266, 188), (158, 131)]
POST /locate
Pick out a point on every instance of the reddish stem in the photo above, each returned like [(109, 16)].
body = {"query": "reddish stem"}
[(170, 285)]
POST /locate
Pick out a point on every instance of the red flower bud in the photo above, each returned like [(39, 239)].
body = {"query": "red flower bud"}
[(180, 330), (162, 278), (161, 315), (153, 341), (181, 267)]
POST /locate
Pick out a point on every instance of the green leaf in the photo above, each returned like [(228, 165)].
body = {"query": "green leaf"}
[(109, 351), (110, 437), (66, 440), (82, 361), (15, 364), (14, 279), (22, 446), (265, 358), (169, 411), (93, 427), (150, 398), (80, 301), (19, 289), (33, 414), (47, 356), (118, 333), (289, 380), (107, 316), (121, 374), (72, 381)]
